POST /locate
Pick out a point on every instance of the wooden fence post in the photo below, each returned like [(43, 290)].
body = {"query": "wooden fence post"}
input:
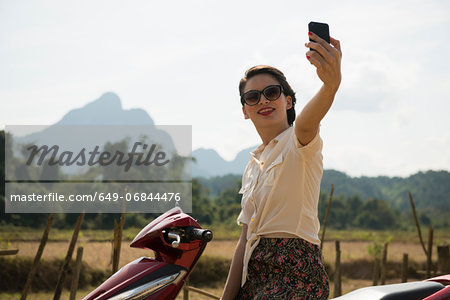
[(118, 228), (376, 271), (384, 264), (62, 273), (337, 272), (185, 289), (429, 250), (76, 274), (443, 259), (44, 239), (330, 199), (115, 258), (405, 267)]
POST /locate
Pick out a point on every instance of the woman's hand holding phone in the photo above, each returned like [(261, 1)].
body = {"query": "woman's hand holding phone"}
[(326, 58)]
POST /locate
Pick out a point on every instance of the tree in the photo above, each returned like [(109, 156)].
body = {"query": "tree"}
[(376, 214)]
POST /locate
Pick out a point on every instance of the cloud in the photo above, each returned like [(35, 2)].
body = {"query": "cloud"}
[(373, 82)]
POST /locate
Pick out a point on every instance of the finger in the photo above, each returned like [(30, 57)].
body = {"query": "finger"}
[(319, 40), (315, 59), (321, 50), (333, 53), (336, 44)]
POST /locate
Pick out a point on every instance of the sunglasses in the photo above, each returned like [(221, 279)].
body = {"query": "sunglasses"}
[(272, 93)]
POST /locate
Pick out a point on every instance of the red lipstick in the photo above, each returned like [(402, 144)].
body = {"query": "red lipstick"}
[(265, 111)]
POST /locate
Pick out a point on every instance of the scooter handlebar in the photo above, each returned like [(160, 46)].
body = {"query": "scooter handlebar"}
[(193, 233)]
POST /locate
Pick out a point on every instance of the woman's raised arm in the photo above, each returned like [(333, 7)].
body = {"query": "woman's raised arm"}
[(327, 60)]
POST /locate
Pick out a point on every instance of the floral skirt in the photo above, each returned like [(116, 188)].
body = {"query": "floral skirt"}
[(285, 268)]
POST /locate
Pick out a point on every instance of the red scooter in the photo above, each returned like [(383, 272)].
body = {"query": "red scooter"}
[(437, 288), (177, 240)]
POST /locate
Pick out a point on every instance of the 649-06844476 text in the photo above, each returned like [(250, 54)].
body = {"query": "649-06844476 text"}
[(55, 197)]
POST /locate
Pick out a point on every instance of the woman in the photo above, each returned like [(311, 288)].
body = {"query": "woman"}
[(277, 256)]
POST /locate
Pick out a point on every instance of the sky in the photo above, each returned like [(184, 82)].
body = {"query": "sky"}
[(181, 61)]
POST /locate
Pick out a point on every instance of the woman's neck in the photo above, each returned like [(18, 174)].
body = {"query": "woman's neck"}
[(269, 133)]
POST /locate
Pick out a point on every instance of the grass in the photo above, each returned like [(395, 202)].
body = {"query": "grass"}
[(98, 254), (440, 236), (11, 233), (354, 243), (221, 232), (31, 234)]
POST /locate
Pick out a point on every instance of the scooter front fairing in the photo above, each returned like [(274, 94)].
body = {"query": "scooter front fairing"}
[(177, 240)]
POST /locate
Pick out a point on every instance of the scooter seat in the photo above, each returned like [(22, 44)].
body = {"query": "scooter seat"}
[(400, 291)]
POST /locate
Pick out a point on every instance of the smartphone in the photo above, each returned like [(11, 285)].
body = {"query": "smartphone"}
[(321, 29)]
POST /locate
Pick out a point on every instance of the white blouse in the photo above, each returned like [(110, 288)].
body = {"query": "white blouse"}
[(280, 191)]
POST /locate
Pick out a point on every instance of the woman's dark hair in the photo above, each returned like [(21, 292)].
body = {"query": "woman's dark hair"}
[(279, 76)]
